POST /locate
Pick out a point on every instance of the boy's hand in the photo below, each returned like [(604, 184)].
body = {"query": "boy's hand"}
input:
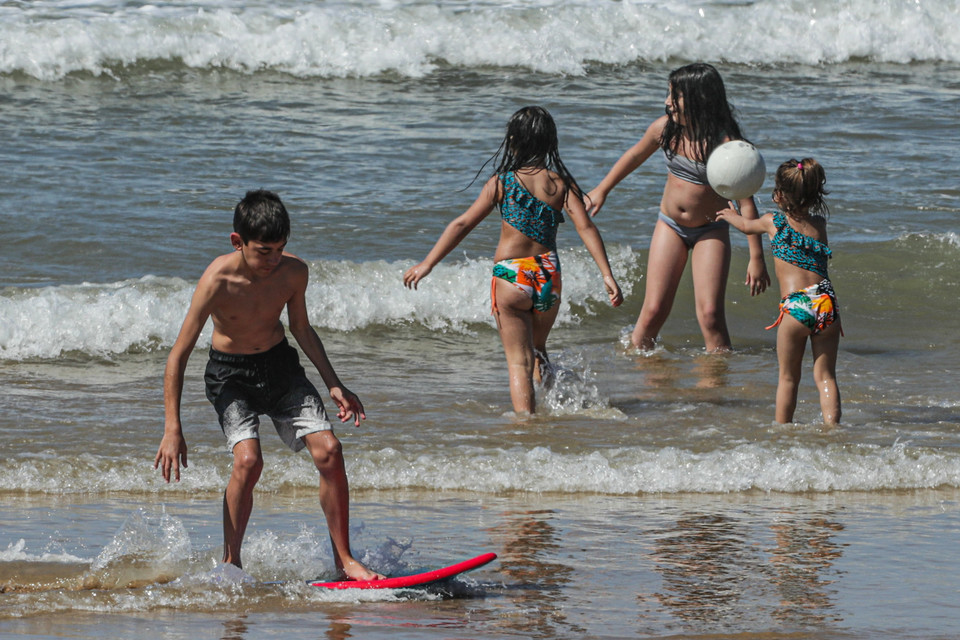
[(348, 405), (171, 454)]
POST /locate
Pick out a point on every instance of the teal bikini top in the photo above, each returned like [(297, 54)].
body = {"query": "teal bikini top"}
[(527, 214), (799, 249)]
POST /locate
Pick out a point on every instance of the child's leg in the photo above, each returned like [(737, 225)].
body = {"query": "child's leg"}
[(791, 343), (515, 322), (542, 324), (665, 264), (238, 498), (710, 266), (825, 346), (327, 453)]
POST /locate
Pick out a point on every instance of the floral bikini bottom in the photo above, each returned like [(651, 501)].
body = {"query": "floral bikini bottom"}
[(815, 307), (537, 276)]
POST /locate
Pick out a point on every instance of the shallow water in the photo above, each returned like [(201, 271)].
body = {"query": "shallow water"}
[(652, 495), (812, 565)]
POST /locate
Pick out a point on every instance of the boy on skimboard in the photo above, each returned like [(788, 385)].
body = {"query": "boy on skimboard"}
[(253, 370)]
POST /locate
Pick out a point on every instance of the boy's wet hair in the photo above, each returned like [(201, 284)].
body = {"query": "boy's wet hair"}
[(800, 186), (261, 216), (709, 117)]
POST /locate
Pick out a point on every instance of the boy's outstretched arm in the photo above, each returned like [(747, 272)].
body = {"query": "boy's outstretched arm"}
[(173, 447), (348, 404)]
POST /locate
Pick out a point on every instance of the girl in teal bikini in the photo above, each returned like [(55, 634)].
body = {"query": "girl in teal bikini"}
[(531, 186), (808, 308)]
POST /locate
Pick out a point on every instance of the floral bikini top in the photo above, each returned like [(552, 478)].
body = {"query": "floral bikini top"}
[(797, 248), (527, 214)]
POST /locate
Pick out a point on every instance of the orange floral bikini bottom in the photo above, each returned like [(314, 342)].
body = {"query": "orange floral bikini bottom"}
[(815, 307), (537, 276)]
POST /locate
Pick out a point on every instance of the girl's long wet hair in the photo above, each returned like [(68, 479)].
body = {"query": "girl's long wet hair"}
[(531, 141), (800, 186), (709, 117)]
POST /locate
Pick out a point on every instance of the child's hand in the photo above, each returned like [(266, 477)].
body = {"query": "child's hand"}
[(594, 201), (171, 455), (613, 290), (727, 214), (415, 274), (757, 277), (348, 405)]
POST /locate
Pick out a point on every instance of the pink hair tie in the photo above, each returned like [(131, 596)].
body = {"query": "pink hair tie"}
[(800, 166)]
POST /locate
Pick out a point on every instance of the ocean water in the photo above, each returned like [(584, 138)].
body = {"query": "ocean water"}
[(652, 495)]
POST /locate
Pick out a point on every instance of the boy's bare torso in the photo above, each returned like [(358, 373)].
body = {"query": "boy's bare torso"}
[(246, 304)]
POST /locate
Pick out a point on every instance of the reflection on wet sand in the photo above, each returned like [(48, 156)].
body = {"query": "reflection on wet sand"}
[(235, 628), (337, 631), (711, 370), (660, 371), (802, 559), (527, 538), (705, 564), (713, 575)]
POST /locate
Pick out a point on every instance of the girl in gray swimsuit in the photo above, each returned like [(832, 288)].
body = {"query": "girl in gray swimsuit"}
[(698, 119)]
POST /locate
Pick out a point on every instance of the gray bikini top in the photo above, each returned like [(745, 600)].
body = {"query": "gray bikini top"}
[(684, 168)]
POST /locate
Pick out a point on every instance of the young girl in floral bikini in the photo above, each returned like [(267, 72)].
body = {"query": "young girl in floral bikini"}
[(808, 309), (532, 187)]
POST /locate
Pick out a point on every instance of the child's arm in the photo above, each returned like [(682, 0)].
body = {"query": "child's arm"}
[(348, 404), (594, 242), (750, 226), (757, 277), (173, 447), (627, 164), (455, 232)]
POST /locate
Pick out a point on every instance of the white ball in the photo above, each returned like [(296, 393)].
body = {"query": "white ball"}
[(736, 170)]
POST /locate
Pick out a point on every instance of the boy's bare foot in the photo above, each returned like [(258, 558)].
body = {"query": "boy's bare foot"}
[(353, 570)]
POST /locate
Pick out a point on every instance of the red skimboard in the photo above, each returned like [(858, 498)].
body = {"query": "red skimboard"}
[(416, 580)]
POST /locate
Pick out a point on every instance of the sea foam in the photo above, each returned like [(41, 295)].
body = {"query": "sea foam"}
[(18, 552), (622, 471), (413, 39), (145, 314)]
